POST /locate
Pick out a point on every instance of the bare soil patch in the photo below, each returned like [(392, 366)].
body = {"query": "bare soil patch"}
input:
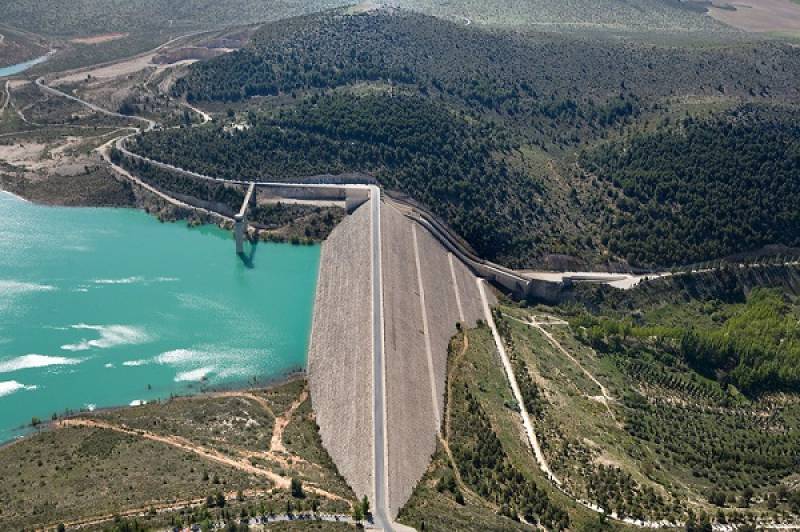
[(98, 39), (760, 15)]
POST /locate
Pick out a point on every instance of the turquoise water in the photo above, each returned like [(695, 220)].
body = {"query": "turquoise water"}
[(107, 307), (22, 67)]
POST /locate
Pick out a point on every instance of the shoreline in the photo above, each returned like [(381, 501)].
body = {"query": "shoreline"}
[(18, 68), (16, 196), (267, 384)]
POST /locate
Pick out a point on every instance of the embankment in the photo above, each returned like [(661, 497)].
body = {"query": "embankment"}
[(426, 291), (340, 353), (422, 298)]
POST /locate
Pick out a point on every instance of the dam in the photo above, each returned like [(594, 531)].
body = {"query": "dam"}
[(425, 290)]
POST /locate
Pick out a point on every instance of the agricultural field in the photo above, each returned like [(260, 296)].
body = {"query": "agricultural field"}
[(766, 16)]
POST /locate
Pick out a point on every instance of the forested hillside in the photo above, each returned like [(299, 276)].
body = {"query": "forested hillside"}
[(507, 72), (704, 188), (484, 126), (409, 143)]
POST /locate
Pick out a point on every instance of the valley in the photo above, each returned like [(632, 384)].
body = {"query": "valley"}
[(549, 266)]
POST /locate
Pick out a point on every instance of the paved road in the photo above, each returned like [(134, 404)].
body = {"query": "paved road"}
[(380, 481)]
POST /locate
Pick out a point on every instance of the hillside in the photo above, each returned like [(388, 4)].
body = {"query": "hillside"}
[(626, 417), (488, 144), (61, 17), (704, 188), (329, 50), (70, 18), (207, 459)]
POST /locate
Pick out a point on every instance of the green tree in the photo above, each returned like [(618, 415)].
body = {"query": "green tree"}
[(365, 510), (297, 488), (358, 513)]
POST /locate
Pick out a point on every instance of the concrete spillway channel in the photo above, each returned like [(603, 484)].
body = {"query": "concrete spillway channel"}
[(388, 299)]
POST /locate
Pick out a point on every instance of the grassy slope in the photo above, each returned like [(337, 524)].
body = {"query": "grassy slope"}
[(79, 472), (478, 370)]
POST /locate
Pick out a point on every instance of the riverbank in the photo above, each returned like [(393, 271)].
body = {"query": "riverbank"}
[(241, 448)]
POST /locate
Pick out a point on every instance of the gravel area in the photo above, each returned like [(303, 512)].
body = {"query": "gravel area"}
[(340, 354)]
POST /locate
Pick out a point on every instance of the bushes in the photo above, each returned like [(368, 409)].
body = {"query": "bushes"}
[(433, 153)]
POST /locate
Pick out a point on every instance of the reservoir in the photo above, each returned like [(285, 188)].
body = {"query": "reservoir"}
[(22, 67), (109, 307)]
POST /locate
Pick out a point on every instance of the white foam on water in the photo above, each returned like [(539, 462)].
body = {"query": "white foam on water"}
[(194, 375), (195, 364), (110, 336), (134, 363), (36, 361), (178, 356), (135, 279), (109, 365), (91, 407), (9, 387), (124, 280), (13, 288)]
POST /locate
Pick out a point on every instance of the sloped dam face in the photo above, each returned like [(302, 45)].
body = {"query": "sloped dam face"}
[(107, 307), (426, 292)]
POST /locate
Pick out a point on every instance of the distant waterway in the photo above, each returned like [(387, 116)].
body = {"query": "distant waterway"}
[(108, 307), (22, 67)]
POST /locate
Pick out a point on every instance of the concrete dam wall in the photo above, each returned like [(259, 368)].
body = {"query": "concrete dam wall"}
[(426, 291), (422, 297), (340, 350)]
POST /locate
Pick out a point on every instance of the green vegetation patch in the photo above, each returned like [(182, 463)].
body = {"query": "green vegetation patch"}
[(706, 395), (80, 472), (705, 188)]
